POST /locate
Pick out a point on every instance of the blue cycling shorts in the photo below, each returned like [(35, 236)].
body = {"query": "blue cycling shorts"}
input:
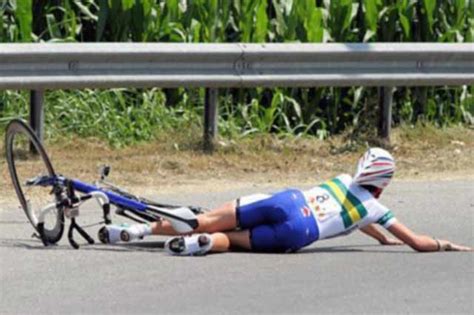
[(282, 222)]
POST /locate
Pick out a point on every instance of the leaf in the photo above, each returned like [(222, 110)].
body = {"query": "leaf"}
[(212, 20), (101, 19), (355, 9), (368, 35), (85, 10), (270, 114), (25, 20), (340, 19), (3, 37), (314, 26), (128, 4), (53, 28), (296, 106), (405, 16), (311, 125), (429, 6), (460, 10), (261, 23), (347, 12), (279, 21), (196, 30), (371, 14), (172, 9), (71, 25), (292, 22), (223, 19), (138, 20), (246, 17), (405, 26), (183, 6)]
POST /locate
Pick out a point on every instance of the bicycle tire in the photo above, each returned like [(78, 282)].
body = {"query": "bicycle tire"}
[(20, 139)]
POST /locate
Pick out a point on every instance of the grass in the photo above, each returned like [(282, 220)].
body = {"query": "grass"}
[(119, 116), (125, 117)]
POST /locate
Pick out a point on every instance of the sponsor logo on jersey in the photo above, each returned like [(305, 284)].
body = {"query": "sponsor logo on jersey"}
[(305, 211)]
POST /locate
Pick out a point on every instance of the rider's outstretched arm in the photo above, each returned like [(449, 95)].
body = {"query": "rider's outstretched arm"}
[(372, 231), (423, 243)]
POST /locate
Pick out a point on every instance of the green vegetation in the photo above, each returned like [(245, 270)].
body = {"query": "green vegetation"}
[(120, 116), (128, 115)]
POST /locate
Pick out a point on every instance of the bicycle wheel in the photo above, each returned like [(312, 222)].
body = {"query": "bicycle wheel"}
[(27, 163)]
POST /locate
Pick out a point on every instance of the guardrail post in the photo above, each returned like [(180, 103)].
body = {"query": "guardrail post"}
[(37, 113), (385, 118), (210, 118)]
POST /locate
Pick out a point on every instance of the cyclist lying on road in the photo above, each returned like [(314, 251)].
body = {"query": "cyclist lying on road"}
[(292, 219)]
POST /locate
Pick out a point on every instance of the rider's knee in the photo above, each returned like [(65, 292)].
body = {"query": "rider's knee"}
[(204, 223), (220, 219), (207, 224)]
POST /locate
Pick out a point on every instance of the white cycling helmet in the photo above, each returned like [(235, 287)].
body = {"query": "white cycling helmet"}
[(375, 168)]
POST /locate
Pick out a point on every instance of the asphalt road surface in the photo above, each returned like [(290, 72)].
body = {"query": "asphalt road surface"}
[(352, 274)]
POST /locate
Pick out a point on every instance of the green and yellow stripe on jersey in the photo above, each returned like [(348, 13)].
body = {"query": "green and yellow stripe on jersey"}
[(352, 209)]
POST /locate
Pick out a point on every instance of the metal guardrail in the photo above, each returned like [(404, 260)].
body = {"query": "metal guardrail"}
[(108, 65)]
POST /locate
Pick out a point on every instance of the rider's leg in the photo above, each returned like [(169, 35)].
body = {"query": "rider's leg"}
[(220, 219), (221, 242), (223, 218), (240, 239)]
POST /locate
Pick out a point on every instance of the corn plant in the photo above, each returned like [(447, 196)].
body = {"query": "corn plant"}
[(16, 21)]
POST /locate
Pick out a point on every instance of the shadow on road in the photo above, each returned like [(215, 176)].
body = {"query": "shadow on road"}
[(364, 248), (155, 246), (36, 244)]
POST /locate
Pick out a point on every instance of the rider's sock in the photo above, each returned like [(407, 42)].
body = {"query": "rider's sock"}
[(145, 229), (125, 232), (139, 230)]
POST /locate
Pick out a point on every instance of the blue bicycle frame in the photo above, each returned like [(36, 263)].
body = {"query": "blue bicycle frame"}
[(184, 220)]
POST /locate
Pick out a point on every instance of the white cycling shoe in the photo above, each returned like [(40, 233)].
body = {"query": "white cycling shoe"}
[(111, 234), (194, 245)]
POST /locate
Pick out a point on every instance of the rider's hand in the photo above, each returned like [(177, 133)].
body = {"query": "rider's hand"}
[(391, 241)]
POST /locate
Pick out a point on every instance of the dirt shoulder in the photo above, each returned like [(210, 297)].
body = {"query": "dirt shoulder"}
[(167, 166)]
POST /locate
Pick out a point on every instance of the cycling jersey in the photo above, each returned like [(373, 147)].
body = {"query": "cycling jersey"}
[(341, 206)]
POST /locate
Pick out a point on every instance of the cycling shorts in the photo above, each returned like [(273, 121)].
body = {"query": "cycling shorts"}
[(282, 222)]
